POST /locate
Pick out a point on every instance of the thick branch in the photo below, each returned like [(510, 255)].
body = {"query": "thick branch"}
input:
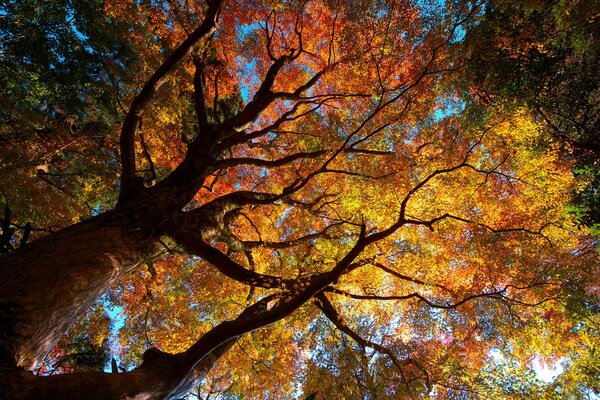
[(242, 138), (199, 96), (283, 305), (147, 155), (233, 162), (264, 96), (291, 242), (195, 245), (161, 376), (127, 140)]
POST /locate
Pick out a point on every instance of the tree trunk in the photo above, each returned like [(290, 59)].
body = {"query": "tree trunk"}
[(47, 284)]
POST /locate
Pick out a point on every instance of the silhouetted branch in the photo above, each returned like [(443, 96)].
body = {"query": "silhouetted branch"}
[(136, 109), (500, 294), (232, 162), (330, 312)]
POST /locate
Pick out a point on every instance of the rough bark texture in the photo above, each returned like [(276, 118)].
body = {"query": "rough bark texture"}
[(49, 283)]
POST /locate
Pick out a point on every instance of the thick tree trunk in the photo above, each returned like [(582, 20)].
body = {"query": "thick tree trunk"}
[(49, 283)]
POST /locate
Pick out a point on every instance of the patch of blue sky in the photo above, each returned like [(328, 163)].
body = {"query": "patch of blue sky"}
[(263, 172), (242, 31), (80, 35), (431, 12), (69, 18), (448, 106), (96, 210), (249, 65), (248, 70), (281, 222), (116, 316), (459, 34), (117, 321), (271, 136), (245, 92)]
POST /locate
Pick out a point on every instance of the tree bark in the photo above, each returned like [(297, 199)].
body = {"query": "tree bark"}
[(49, 283)]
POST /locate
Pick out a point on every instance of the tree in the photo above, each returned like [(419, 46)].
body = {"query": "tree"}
[(332, 173), (544, 56)]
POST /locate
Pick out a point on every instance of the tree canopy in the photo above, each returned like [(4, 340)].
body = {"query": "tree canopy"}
[(254, 199)]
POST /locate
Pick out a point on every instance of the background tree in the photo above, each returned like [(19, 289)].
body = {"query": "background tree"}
[(304, 196), (63, 68), (545, 56)]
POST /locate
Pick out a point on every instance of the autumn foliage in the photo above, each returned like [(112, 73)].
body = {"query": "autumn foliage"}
[(273, 199)]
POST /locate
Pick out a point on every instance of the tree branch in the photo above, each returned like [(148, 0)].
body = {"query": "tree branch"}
[(264, 97), (500, 294), (331, 313), (406, 277), (199, 95), (147, 154), (292, 242), (233, 162), (127, 139), (195, 245)]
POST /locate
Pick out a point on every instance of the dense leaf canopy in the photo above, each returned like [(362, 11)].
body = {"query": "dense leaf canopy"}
[(392, 199)]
